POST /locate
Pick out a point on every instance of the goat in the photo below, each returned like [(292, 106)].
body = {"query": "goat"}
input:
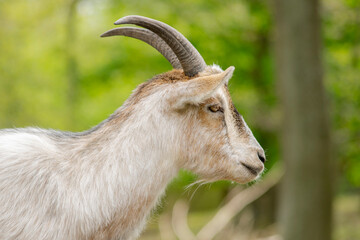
[(103, 183)]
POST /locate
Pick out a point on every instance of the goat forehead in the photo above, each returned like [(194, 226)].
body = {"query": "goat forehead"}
[(224, 96)]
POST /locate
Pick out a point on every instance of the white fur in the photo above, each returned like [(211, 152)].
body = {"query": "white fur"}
[(65, 186)]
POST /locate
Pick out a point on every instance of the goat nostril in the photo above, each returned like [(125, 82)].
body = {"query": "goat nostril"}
[(261, 157)]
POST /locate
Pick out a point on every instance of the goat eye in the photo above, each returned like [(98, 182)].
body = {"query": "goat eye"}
[(215, 108)]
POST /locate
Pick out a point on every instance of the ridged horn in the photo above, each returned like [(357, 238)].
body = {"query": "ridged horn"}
[(190, 59), (150, 38)]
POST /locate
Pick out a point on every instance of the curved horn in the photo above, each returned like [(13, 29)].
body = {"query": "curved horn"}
[(190, 59), (150, 38)]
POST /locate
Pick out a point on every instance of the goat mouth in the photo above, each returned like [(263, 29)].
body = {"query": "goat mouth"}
[(254, 171)]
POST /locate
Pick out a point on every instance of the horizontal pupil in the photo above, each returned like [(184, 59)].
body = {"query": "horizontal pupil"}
[(214, 108)]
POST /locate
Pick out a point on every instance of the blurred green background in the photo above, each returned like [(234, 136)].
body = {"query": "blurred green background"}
[(56, 72)]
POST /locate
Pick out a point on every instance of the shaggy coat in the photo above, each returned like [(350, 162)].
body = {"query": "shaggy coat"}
[(103, 183)]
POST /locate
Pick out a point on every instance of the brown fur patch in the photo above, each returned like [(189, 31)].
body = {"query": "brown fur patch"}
[(172, 76), (144, 89)]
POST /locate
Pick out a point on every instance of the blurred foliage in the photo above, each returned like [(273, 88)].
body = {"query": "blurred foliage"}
[(41, 61), (342, 62)]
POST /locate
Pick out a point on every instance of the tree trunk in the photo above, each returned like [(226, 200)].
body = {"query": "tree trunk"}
[(306, 191)]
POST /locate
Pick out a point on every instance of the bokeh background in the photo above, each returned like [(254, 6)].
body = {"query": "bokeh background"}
[(56, 72)]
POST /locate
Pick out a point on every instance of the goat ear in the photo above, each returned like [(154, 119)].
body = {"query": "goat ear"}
[(198, 89)]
